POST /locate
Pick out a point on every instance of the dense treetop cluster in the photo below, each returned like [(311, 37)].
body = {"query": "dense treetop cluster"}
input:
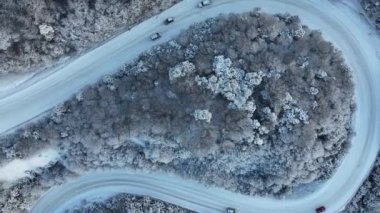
[(372, 8), (128, 203), (35, 34), (254, 103), (367, 198)]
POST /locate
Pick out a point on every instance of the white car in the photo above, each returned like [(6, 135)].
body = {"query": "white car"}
[(155, 36), (169, 20), (230, 210), (204, 3)]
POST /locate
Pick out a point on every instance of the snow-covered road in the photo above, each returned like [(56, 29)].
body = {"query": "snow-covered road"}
[(338, 23)]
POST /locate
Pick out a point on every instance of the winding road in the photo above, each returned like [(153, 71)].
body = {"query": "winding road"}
[(338, 23)]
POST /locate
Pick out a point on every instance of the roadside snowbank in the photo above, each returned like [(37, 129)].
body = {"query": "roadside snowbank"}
[(17, 169), (11, 81)]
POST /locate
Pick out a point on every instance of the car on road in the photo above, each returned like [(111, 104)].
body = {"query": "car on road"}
[(155, 36), (230, 210), (169, 20), (320, 209), (204, 3)]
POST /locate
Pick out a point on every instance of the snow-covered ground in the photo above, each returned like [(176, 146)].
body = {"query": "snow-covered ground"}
[(18, 168), (339, 24), (11, 81)]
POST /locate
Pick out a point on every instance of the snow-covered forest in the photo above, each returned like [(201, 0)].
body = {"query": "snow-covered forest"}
[(36, 34), (372, 8), (254, 103), (128, 204)]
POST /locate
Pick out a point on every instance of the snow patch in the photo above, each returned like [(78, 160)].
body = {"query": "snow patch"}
[(18, 168)]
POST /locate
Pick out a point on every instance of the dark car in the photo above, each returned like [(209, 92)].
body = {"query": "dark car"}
[(320, 209)]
